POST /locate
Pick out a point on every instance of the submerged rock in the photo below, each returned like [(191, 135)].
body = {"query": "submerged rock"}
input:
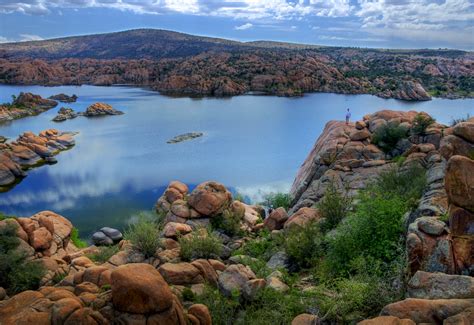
[(185, 137)]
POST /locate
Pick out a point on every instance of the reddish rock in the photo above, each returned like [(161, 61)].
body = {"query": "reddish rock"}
[(386, 320), (172, 194), (427, 311), (140, 289), (201, 312), (459, 182), (210, 198), (305, 319), (465, 130), (41, 239), (206, 270), (174, 229), (276, 220), (302, 217), (180, 273), (181, 187)]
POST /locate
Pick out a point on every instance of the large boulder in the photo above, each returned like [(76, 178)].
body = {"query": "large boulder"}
[(459, 182), (234, 279), (276, 220), (427, 311), (210, 198), (302, 217), (386, 320), (140, 289), (427, 285), (181, 273)]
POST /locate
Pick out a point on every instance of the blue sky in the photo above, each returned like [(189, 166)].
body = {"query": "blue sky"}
[(363, 23)]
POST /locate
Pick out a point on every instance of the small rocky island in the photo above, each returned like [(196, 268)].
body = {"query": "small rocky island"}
[(64, 98), (29, 151), (26, 104), (185, 137), (97, 109)]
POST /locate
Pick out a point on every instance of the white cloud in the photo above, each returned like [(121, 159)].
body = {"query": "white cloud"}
[(4, 39), (29, 37), (244, 26)]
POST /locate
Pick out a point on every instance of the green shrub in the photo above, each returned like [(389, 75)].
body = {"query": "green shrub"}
[(455, 121), (348, 300), (420, 123), (387, 136), (229, 222), (262, 247), (76, 240), (144, 236), (104, 254), (271, 307), (16, 272), (277, 200), (304, 245), (222, 309), (200, 244), (374, 230), (334, 206)]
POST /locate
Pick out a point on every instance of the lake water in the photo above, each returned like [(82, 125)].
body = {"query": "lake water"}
[(122, 164)]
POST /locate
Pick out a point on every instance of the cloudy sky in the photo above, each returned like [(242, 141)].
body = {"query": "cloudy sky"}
[(364, 23)]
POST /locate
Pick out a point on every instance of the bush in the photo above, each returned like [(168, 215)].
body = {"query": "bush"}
[(144, 236), (374, 230), (16, 272), (455, 121), (104, 254), (334, 206), (76, 240), (222, 309), (304, 245), (387, 136), (262, 247), (420, 123), (277, 200), (229, 222), (271, 307), (348, 300), (200, 244)]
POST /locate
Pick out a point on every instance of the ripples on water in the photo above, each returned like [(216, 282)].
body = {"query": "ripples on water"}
[(122, 164)]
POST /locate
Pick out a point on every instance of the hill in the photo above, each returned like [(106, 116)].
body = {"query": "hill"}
[(182, 64)]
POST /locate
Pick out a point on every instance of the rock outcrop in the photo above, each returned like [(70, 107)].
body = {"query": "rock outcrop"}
[(30, 150), (64, 98), (100, 109), (64, 114), (26, 104), (185, 137)]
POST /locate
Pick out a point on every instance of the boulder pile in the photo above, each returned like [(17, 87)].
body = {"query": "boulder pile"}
[(30, 150), (26, 104)]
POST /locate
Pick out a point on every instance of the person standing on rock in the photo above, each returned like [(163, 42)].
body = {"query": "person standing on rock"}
[(348, 116)]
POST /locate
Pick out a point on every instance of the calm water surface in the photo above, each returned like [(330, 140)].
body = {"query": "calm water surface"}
[(121, 164)]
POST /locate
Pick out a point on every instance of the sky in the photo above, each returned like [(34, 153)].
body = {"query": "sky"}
[(359, 23)]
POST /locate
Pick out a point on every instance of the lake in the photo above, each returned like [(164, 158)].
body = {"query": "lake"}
[(122, 164)]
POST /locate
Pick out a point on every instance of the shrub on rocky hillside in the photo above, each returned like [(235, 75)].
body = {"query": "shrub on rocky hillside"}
[(387, 136), (76, 240), (16, 272), (277, 200), (334, 206), (420, 123), (229, 222), (200, 244), (374, 230), (304, 245), (144, 236), (104, 253)]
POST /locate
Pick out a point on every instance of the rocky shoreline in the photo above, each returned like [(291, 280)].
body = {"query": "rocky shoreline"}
[(26, 104), (136, 285), (29, 151), (96, 109)]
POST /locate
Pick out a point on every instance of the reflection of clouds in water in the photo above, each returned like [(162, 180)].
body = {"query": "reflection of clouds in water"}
[(256, 193)]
